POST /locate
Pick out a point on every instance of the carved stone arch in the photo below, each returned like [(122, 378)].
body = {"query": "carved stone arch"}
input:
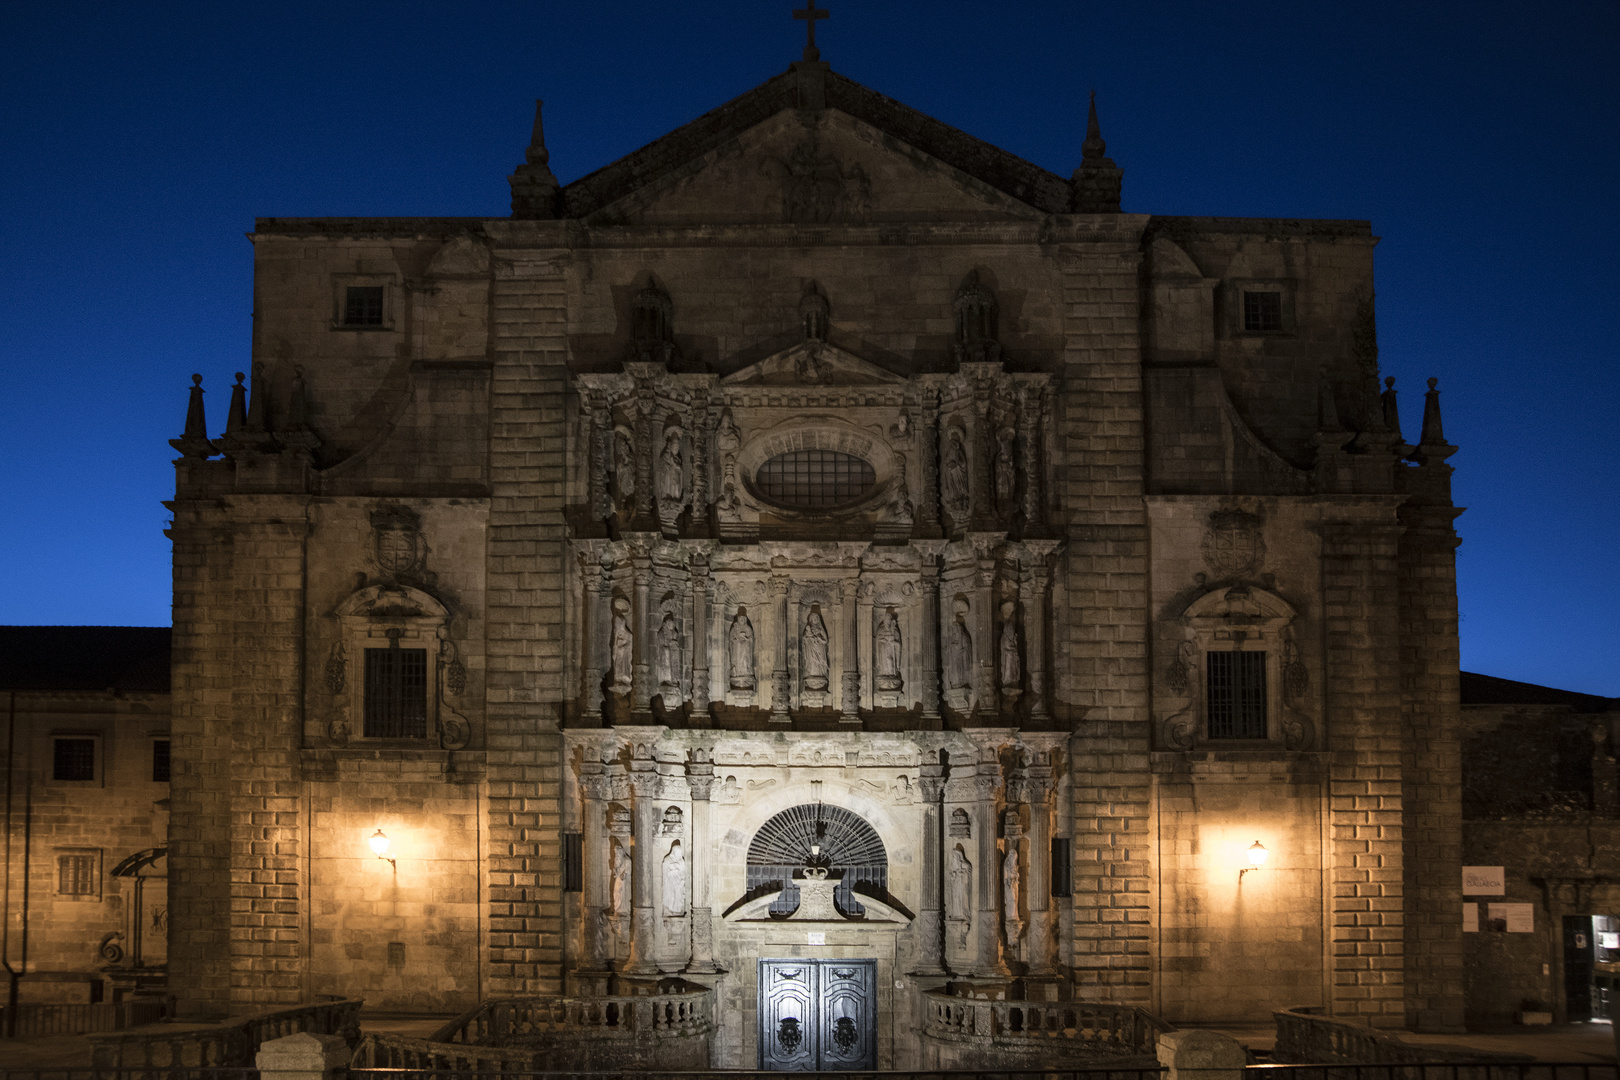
[(819, 432), (393, 616)]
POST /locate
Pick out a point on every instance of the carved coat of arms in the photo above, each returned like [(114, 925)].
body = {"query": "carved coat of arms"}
[(397, 544), (1233, 544)]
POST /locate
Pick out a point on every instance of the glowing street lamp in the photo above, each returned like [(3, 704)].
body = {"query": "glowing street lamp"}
[(379, 845), (1257, 858)]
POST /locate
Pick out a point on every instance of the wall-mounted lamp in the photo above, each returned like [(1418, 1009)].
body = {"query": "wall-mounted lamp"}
[(379, 844), (1257, 858)]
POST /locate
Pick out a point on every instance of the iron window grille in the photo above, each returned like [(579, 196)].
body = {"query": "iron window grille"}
[(1237, 695), (1262, 312), (74, 759), (363, 305), (849, 847), (396, 694), (76, 874), (815, 479)]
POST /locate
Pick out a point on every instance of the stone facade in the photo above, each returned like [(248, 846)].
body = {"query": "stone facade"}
[(817, 455)]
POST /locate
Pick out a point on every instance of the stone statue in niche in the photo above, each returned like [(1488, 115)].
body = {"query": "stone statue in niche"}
[(623, 646), (740, 651), (1006, 473), (959, 651), (953, 477), (671, 482), (900, 505), (675, 882), (1008, 665), (1009, 891), (669, 657), (886, 651), (959, 895), (813, 651), (618, 879), (624, 470)]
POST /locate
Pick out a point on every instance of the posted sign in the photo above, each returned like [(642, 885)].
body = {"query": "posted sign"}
[(1484, 880)]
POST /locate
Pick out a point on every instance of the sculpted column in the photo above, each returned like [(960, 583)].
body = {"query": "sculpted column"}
[(987, 778), (930, 917), (928, 507), (1033, 591), (596, 620), (698, 633), (593, 786), (1039, 892), (987, 699), (646, 636), (700, 779), (779, 674), (928, 647), (851, 688), (601, 450), (645, 783)]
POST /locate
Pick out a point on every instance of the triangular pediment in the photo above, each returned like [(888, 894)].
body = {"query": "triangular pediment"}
[(812, 363), (863, 158)]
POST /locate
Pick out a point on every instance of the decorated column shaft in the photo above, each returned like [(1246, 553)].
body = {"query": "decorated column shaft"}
[(930, 916), (593, 859), (1039, 891), (779, 674), (644, 782), (700, 779)]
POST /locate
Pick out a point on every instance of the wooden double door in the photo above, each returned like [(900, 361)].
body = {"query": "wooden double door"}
[(817, 1015)]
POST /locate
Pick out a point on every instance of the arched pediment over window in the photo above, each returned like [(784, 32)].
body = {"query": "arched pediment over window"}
[(392, 602), (1239, 606)]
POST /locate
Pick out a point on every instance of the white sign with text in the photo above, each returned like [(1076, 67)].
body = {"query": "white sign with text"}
[(1484, 880)]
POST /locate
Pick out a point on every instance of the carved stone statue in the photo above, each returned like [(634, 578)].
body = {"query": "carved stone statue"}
[(671, 476), (813, 651), (624, 645), (740, 651), (1009, 890), (675, 881), (618, 880), (959, 654), (1006, 475), (953, 479), (1011, 671), (624, 470), (886, 651), (669, 655), (959, 897)]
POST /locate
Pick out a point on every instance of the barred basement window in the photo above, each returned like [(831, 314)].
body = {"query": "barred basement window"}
[(363, 305), (160, 761), (1237, 695), (76, 874), (1262, 311), (815, 479), (396, 694), (74, 759), (573, 862), (1062, 867)]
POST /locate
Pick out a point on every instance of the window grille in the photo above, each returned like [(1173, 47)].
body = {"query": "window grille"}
[(396, 694), (1262, 311), (1062, 867), (363, 305), (76, 874), (160, 761), (573, 862), (75, 759), (1237, 695), (815, 479), (851, 846)]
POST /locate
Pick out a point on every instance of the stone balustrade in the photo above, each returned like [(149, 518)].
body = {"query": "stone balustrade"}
[(1084, 1027), (1306, 1036), (230, 1044)]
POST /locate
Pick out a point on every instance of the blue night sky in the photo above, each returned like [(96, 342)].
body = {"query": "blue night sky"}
[(141, 140)]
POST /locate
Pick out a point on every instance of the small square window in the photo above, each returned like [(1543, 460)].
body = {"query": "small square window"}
[(1237, 695), (396, 694), (78, 873), (74, 759), (1262, 312), (160, 761), (363, 305)]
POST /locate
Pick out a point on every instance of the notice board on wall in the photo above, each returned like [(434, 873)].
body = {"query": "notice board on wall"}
[(1510, 918)]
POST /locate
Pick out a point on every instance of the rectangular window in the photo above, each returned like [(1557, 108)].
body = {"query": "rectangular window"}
[(1062, 867), (396, 694), (75, 759), (573, 862), (160, 761), (1237, 695), (363, 305), (1262, 311), (77, 874)]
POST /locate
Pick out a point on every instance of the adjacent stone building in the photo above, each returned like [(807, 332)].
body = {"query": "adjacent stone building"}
[(827, 559)]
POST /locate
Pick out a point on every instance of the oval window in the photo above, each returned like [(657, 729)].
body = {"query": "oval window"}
[(815, 479)]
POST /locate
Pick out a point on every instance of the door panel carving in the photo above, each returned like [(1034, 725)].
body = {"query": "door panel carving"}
[(817, 1015)]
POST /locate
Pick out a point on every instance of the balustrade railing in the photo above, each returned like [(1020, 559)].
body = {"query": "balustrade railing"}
[(228, 1044), (1308, 1036), (27, 1020), (1087, 1025), (513, 1021)]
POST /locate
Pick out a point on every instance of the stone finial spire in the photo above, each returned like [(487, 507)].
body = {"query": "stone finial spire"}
[(536, 194), (236, 416), (193, 442), (1095, 186), (1432, 433)]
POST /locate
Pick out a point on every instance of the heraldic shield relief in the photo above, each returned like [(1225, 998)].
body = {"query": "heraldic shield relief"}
[(397, 541)]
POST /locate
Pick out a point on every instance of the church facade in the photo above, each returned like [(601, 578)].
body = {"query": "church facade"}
[(822, 558)]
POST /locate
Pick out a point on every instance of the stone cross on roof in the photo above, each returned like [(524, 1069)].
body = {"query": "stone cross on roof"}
[(810, 13)]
